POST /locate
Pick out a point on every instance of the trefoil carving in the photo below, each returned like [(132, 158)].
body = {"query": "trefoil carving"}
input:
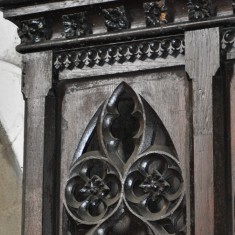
[(116, 18), (34, 30), (76, 25), (155, 13), (128, 170)]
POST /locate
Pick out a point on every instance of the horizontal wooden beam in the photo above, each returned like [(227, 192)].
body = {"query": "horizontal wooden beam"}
[(39, 8), (125, 35)]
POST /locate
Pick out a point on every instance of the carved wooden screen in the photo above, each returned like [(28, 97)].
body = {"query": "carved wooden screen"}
[(127, 111), (128, 174)]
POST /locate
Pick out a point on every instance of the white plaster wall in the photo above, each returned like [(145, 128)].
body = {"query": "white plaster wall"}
[(11, 98)]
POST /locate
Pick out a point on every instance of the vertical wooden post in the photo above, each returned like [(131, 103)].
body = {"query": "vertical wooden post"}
[(202, 62), (37, 76), (231, 167)]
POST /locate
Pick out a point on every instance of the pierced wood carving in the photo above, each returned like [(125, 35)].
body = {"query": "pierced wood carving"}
[(76, 25), (116, 18), (120, 54), (126, 179), (33, 31), (200, 9), (155, 13)]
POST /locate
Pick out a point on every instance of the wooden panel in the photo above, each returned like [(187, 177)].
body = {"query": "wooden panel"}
[(167, 93), (202, 62)]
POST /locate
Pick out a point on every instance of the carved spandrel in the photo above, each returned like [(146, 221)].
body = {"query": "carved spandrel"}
[(113, 187), (34, 30), (76, 25), (155, 13)]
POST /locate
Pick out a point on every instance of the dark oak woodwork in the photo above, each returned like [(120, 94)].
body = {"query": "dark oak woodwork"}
[(129, 116), (201, 69)]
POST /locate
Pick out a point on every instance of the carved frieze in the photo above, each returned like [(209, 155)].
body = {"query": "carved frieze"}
[(200, 9), (159, 48), (76, 25), (116, 18), (34, 30), (155, 13), (130, 172)]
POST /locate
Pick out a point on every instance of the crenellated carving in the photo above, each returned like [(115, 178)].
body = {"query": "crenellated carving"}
[(127, 174), (76, 25), (155, 13), (200, 9), (116, 18), (120, 54), (34, 30)]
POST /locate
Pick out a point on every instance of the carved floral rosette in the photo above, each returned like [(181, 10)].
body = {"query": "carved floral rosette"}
[(125, 177)]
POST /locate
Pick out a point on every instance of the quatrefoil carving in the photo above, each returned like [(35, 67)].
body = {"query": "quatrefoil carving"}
[(127, 170)]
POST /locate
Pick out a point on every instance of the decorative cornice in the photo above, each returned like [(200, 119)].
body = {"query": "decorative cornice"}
[(76, 25), (116, 18), (34, 30), (155, 13), (159, 48), (200, 9)]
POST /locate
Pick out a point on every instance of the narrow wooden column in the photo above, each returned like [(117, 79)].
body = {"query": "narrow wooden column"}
[(232, 136), (37, 76), (202, 62)]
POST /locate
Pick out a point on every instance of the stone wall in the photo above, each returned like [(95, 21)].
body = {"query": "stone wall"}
[(11, 131)]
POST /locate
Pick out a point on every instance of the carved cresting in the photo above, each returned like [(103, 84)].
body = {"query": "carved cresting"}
[(126, 179)]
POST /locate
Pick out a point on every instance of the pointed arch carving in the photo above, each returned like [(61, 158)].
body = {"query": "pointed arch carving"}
[(125, 177)]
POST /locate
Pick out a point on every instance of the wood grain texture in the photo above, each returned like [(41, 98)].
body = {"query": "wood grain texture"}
[(166, 92), (232, 126), (27, 10), (170, 61), (202, 56), (37, 74), (33, 167), (36, 84)]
